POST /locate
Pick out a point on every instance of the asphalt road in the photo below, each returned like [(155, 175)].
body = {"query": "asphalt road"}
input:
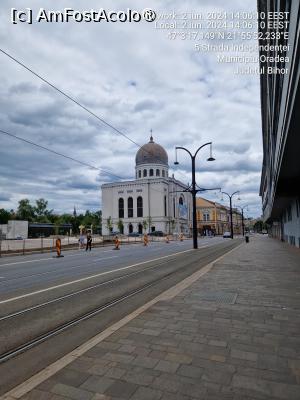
[(39, 293)]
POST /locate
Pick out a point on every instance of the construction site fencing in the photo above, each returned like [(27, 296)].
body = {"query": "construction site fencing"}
[(48, 244)]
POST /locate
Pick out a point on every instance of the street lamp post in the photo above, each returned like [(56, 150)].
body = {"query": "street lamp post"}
[(194, 191), (230, 202), (243, 224)]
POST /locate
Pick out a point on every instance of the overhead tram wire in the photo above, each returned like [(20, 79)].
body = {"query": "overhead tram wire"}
[(78, 104), (59, 154), (65, 156), (116, 130), (74, 101), (69, 97)]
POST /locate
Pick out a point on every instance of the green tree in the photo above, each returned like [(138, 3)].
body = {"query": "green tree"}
[(145, 225), (25, 210), (120, 226), (5, 216), (109, 224), (41, 211), (259, 226), (149, 222)]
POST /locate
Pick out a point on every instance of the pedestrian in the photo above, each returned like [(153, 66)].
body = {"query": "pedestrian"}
[(81, 241), (89, 240)]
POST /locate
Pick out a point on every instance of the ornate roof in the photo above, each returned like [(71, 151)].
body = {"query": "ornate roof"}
[(151, 153)]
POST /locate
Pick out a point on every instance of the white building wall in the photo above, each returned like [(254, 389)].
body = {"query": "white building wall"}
[(17, 228), (3, 231), (153, 192)]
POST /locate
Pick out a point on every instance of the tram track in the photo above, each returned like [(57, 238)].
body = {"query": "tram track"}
[(184, 267), (41, 338), (77, 292)]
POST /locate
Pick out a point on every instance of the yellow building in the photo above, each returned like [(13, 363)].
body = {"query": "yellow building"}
[(214, 218)]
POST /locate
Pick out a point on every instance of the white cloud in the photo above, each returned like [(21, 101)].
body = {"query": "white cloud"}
[(134, 77)]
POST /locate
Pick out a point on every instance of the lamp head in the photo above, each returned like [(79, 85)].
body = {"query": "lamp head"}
[(210, 158), (176, 160)]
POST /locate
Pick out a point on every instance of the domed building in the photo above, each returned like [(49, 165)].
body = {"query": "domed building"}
[(152, 202)]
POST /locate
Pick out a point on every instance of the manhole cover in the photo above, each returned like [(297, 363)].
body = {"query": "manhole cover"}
[(218, 297)]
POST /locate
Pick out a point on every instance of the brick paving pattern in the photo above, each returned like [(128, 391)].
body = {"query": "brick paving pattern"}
[(233, 334)]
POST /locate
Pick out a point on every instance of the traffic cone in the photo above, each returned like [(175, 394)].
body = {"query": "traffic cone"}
[(117, 243)]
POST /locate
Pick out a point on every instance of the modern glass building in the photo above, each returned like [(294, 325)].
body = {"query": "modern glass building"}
[(280, 101)]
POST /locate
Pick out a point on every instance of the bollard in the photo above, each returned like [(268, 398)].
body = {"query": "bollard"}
[(117, 243), (145, 239), (247, 238), (58, 248)]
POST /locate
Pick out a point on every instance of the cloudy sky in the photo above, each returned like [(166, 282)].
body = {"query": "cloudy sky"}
[(137, 79)]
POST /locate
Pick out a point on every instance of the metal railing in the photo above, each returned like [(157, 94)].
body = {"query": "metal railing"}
[(47, 244)]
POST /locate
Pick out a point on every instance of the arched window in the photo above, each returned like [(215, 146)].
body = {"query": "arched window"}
[(130, 228), (140, 173), (157, 172), (145, 172), (151, 173), (139, 204), (121, 207), (165, 205), (181, 201), (130, 207), (163, 173), (174, 209), (140, 228)]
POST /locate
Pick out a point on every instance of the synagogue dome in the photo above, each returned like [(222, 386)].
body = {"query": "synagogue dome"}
[(151, 153)]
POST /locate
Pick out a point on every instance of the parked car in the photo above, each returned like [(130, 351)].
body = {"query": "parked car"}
[(226, 234), (114, 233), (19, 238), (156, 233), (134, 234)]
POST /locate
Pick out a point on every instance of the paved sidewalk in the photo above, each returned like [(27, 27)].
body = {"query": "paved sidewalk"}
[(232, 334)]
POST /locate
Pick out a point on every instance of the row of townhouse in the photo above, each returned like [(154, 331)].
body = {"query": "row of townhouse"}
[(214, 218)]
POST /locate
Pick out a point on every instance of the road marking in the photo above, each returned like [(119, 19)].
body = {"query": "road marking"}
[(44, 259), (31, 383), (73, 255), (56, 270), (100, 259), (88, 277)]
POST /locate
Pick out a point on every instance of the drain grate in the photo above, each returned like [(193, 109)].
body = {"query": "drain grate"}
[(217, 297)]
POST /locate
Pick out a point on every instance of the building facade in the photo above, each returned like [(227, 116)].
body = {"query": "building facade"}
[(214, 218), (152, 202), (280, 102)]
